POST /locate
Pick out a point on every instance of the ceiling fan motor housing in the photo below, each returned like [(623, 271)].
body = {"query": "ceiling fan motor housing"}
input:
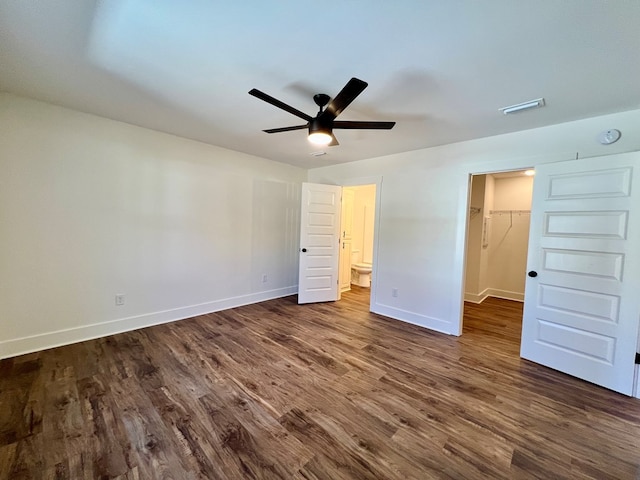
[(321, 99), (320, 124)]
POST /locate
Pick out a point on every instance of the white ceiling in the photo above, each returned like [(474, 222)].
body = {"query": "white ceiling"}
[(440, 69)]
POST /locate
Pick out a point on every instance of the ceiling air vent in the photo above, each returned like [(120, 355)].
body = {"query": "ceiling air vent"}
[(518, 107)]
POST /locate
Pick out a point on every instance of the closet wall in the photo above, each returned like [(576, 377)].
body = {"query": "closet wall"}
[(498, 237)]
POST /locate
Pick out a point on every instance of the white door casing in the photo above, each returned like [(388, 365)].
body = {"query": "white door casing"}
[(582, 310), (346, 238), (319, 243)]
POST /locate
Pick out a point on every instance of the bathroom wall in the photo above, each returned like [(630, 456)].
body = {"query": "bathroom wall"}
[(363, 221)]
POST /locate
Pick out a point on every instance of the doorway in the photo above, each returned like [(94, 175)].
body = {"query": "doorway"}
[(497, 244), (320, 240), (357, 237)]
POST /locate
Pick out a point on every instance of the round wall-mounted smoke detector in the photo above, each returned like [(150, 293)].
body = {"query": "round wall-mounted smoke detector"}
[(609, 136)]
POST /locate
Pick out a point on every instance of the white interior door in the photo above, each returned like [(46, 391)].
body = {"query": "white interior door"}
[(582, 309), (319, 243)]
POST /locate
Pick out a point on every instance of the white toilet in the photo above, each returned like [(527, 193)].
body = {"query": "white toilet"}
[(361, 274), (360, 271)]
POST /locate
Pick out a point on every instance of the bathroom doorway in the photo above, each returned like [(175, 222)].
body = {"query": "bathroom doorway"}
[(497, 243), (357, 237)]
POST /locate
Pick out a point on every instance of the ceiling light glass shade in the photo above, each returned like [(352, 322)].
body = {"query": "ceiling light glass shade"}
[(529, 173), (320, 138), (319, 132)]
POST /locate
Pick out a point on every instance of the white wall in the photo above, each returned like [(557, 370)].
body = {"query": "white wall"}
[(484, 278), (508, 244), (423, 208), (364, 206), (513, 193), (91, 208), (473, 290)]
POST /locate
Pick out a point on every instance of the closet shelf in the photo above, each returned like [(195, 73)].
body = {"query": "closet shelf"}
[(474, 210), (507, 212)]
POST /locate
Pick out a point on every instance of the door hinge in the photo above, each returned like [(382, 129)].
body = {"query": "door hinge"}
[(637, 358)]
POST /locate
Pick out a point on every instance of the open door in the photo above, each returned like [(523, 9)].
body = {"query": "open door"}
[(319, 243), (582, 297)]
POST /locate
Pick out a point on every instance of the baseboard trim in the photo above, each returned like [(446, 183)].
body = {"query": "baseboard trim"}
[(413, 318), (476, 297), (35, 343), (506, 294), (493, 292)]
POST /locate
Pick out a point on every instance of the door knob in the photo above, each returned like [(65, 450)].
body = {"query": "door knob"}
[(533, 274), (304, 250)]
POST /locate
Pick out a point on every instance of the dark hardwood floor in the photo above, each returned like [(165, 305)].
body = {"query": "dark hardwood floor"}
[(326, 391)]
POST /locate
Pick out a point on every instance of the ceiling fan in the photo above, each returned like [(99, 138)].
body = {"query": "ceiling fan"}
[(321, 126)]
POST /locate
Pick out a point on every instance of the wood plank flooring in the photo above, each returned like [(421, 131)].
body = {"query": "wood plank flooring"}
[(328, 391)]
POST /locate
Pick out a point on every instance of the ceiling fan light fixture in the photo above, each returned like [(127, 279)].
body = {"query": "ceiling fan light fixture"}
[(320, 138), (319, 134)]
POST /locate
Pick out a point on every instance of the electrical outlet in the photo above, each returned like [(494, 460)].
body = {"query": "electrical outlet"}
[(394, 292), (119, 300), (264, 278)]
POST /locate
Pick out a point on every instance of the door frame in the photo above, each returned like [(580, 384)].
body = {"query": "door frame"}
[(377, 181), (464, 201), (468, 220), (462, 218)]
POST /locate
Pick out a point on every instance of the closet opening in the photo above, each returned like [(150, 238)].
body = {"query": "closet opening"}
[(496, 255)]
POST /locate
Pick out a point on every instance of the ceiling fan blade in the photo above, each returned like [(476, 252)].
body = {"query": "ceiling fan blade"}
[(334, 140), (277, 103), (364, 125), (350, 91), (285, 129)]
